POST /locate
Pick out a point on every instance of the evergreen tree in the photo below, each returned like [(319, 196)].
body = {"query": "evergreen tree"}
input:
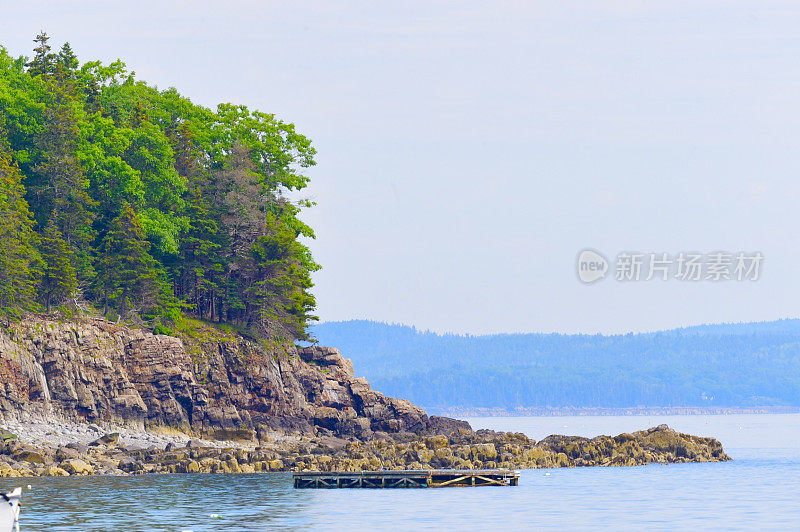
[(191, 202), (58, 281), (67, 63), (199, 265), (90, 88), (280, 281), (126, 271), (57, 185), (18, 250), (67, 59), (44, 62)]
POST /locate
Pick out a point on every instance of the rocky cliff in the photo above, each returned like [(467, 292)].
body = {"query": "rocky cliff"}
[(294, 408), (207, 382)]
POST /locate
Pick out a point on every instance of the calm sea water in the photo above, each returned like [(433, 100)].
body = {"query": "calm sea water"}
[(760, 489)]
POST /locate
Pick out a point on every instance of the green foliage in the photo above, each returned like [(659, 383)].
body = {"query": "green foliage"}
[(150, 153), (58, 280), (18, 251), (280, 281), (161, 329), (148, 203), (21, 106), (56, 182), (100, 152), (67, 62), (126, 271), (44, 62)]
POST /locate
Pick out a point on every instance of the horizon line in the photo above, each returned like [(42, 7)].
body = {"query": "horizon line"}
[(550, 333)]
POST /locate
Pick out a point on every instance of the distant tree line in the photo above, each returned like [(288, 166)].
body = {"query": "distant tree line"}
[(144, 205), (742, 365)]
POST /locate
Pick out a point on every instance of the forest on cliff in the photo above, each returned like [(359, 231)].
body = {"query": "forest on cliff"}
[(134, 202), (726, 365)]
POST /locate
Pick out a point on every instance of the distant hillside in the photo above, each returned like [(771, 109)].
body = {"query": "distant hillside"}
[(737, 365)]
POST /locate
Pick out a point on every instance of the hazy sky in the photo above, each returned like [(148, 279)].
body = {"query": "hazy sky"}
[(469, 150)]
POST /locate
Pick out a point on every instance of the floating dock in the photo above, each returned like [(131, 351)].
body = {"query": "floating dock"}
[(420, 478)]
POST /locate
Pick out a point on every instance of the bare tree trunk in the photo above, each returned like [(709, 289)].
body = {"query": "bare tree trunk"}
[(123, 308), (213, 305)]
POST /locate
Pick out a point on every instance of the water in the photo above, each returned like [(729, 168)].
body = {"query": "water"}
[(760, 489)]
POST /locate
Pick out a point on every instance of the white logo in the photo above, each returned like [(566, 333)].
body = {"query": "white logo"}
[(718, 266), (592, 266)]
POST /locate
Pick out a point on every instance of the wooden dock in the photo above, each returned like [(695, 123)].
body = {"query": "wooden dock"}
[(420, 478)]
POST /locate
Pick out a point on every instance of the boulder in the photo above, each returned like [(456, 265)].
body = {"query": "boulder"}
[(30, 456), (437, 442), (483, 452), (360, 427), (326, 357), (108, 440), (65, 453), (55, 471), (81, 448), (76, 466), (6, 471), (447, 425)]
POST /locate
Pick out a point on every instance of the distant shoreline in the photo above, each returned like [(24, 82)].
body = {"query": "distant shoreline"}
[(747, 367), (461, 413)]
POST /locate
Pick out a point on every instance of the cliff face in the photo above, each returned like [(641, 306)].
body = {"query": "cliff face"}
[(222, 385), (209, 382)]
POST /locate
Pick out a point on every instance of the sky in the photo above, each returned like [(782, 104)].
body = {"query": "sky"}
[(468, 151)]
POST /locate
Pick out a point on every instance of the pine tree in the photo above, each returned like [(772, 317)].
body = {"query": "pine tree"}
[(57, 185), (281, 278), (58, 281), (199, 265), (66, 63), (18, 250), (206, 190), (67, 59), (126, 271), (91, 92), (44, 62)]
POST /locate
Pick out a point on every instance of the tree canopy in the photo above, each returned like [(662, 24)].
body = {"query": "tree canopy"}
[(145, 204)]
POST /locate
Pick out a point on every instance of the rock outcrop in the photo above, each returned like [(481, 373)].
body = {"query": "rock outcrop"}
[(208, 382), (276, 408), (463, 449)]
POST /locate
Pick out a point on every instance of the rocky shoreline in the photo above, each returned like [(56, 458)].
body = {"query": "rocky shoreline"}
[(85, 396), (138, 452)]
